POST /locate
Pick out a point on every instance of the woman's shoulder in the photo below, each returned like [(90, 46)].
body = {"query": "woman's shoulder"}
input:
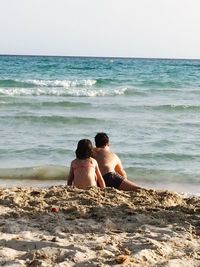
[(93, 161), (74, 162)]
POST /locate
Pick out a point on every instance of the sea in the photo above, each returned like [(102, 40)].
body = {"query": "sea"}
[(150, 108)]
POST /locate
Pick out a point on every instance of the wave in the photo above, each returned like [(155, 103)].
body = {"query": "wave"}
[(76, 92), (149, 91), (161, 84), (13, 102), (46, 83), (39, 151), (173, 107), (130, 91), (105, 81), (53, 119), (60, 172), (44, 172), (14, 83), (154, 175), (162, 156)]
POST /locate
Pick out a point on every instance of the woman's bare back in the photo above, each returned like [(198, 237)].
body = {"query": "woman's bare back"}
[(84, 173)]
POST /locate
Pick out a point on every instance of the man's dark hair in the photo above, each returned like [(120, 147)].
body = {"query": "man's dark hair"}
[(84, 149), (101, 140)]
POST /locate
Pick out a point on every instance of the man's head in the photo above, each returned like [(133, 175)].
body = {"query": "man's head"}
[(101, 140)]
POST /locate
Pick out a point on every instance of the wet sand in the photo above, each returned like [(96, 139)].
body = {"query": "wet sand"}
[(64, 226)]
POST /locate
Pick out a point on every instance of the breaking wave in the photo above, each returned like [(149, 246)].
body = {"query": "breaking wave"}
[(46, 83), (52, 91)]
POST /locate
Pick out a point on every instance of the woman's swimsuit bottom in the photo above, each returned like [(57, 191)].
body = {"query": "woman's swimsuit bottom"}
[(113, 179)]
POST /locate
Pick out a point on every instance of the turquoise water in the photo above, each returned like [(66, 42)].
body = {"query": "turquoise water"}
[(149, 107)]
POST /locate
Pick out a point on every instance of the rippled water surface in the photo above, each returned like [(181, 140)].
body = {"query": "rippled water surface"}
[(149, 107)]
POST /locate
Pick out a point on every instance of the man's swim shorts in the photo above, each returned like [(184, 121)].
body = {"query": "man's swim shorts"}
[(113, 179)]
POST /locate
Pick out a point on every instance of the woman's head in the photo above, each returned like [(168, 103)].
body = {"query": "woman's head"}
[(84, 149)]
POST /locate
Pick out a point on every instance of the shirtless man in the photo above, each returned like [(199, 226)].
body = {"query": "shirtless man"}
[(110, 165)]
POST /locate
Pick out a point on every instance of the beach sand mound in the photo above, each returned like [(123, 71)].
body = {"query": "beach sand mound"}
[(65, 226)]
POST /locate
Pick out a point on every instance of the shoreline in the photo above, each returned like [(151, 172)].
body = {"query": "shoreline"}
[(98, 227), (49, 175), (181, 188)]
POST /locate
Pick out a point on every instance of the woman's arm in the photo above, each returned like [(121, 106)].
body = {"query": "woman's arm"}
[(100, 179), (70, 177)]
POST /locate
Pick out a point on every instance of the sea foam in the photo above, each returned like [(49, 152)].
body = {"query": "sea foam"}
[(61, 83), (52, 91)]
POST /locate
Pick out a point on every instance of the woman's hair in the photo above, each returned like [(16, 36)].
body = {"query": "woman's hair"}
[(84, 149), (101, 140)]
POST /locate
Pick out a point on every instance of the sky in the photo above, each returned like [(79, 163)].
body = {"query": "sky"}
[(114, 28)]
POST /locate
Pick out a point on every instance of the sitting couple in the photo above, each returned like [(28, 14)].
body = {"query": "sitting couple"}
[(98, 166)]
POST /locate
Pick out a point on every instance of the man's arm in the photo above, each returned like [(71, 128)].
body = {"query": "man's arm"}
[(119, 168)]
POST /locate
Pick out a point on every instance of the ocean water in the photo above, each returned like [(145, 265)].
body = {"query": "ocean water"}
[(150, 109)]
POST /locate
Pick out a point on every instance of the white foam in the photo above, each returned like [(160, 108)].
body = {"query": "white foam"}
[(61, 83), (52, 91)]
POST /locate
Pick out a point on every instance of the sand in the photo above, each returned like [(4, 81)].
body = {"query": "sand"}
[(64, 226)]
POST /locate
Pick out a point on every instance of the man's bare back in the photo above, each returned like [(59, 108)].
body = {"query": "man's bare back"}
[(108, 161), (110, 165)]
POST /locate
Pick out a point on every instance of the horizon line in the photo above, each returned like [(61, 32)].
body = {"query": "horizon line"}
[(110, 57)]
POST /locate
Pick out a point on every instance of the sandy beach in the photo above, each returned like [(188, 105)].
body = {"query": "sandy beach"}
[(64, 226)]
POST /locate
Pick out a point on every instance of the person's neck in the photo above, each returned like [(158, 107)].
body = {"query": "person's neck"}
[(106, 147)]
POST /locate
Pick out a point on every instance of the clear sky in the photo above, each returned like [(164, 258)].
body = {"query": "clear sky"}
[(123, 28)]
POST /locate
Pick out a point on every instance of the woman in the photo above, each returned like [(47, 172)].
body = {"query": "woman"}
[(84, 170)]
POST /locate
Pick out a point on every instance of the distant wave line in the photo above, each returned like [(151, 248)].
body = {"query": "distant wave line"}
[(34, 104), (36, 150), (76, 92), (171, 107), (160, 156), (52, 119)]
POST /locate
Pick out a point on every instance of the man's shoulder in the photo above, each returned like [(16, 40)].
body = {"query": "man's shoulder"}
[(102, 152), (116, 157), (95, 149), (94, 152)]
